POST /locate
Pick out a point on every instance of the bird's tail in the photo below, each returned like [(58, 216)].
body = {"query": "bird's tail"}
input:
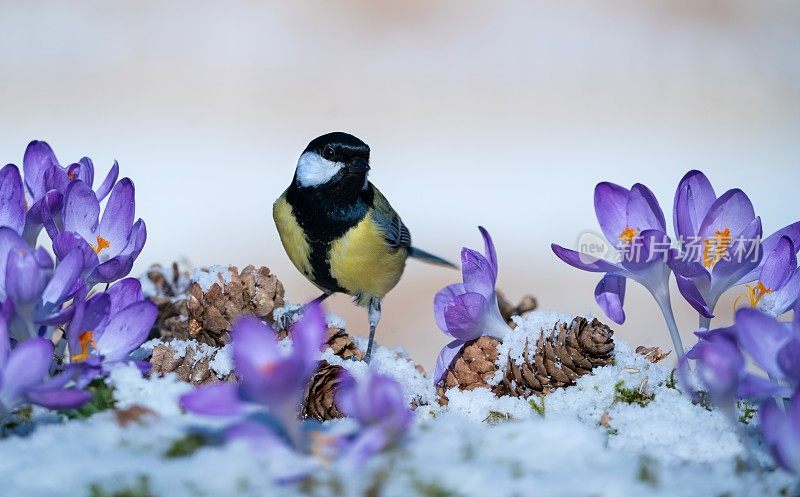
[(430, 258)]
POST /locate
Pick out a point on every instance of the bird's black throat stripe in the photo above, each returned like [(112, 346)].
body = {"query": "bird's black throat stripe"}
[(325, 213)]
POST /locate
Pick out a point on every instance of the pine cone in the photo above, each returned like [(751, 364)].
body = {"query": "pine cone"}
[(320, 394), (207, 316), (558, 359), (508, 310), (168, 285), (166, 359)]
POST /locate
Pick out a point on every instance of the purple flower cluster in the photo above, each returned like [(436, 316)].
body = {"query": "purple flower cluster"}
[(719, 245), (720, 370), (38, 294), (264, 404), (468, 310)]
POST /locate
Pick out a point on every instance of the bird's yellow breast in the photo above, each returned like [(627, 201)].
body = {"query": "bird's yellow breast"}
[(363, 263), (292, 237)]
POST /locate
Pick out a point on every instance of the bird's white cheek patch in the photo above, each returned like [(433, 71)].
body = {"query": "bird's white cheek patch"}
[(313, 170)]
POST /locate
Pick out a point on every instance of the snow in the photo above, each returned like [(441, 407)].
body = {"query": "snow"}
[(206, 277), (588, 442)]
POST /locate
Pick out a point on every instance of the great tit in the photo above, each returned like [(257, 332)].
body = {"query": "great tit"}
[(339, 230)]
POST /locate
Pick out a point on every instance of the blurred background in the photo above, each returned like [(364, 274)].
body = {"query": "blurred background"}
[(503, 114)]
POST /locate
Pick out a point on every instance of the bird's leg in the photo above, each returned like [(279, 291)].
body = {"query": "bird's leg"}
[(287, 317), (374, 315)]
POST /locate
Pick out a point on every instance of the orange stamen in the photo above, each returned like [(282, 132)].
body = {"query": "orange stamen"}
[(716, 248), (754, 293), (267, 367), (71, 175), (628, 234), (102, 244), (86, 339)]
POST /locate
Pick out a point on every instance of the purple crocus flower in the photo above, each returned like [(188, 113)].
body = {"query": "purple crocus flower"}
[(270, 377), (781, 431), (107, 327), (34, 289), (633, 222), (377, 404), (778, 285), (773, 345), (721, 242), (24, 377), (468, 310), (109, 245), (46, 181), (720, 371)]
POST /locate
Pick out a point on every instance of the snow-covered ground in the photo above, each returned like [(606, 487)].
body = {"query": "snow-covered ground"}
[(592, 439)]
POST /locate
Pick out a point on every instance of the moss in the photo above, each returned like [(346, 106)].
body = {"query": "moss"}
[(140, 489), (747, 411), (631, 395), (102, 400), (185, 446), (647, 473), (671, 383), (495, 417), (432, 489), (538, 407)]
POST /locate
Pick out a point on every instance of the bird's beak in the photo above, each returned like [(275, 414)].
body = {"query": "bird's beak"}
[(358, 166)]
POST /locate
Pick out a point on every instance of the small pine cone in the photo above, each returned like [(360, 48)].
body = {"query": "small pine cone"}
[(211, 313), (165, 359), (168, 285), (557, 360), (508, 310), (474, 365), (320, 394)]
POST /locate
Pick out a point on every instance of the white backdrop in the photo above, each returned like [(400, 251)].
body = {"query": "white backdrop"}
[(502, 114)]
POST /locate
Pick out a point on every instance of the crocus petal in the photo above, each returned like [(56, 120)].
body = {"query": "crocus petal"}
[(741, 258), (488, 246), (643, 211), (463, 316), (445, 359), (37, 159), (5, 347), (477, 272), (86, 171), (758, 388), (255, 348), (733, 210), (120, 265), (782, 299), (9, 241), (115, 226), (369, 442), (720, 366), (610, 296), (779, 265), (761, 337), (62, 282), (12, 199), (779, 431), (693, 199), (66, 242), (792, 231), (218, 399), (610, 206), (27, 366), (789, 360), (124, 293), (81, 210), (307, 336), (257, 435), (440, 301), (127, 330), (584, 261), (58, 398), (689, 290), (648, 247), (105, 188), (24, 279)]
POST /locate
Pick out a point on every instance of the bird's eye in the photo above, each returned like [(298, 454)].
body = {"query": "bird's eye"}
[(327, 152)]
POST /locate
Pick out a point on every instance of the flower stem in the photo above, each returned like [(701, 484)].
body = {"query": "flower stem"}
[(666, 309), (704, 322)]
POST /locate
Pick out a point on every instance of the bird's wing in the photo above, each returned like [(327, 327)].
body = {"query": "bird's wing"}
[(396, 233)]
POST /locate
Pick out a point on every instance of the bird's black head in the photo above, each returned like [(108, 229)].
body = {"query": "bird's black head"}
[(336, 160)]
